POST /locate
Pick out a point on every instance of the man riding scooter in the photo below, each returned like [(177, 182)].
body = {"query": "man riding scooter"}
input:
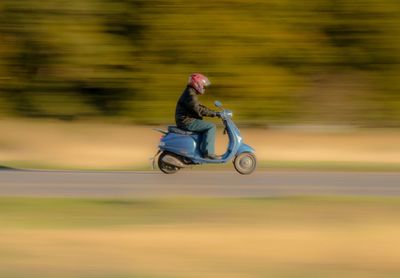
[(192, 141), (189, 114)]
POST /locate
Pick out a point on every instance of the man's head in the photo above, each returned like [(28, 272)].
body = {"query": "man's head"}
[(199, 82)]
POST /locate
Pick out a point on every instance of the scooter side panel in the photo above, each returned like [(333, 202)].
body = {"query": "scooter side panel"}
[(185, 145)]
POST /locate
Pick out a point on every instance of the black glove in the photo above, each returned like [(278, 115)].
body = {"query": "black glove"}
[(218, 114)]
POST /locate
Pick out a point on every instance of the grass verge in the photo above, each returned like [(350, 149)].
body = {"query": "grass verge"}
[(200, 237)]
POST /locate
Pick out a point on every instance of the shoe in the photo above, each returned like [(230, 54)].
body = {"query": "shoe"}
[(213, 156)]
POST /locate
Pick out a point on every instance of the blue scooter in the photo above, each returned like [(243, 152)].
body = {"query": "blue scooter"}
[(180, 149)]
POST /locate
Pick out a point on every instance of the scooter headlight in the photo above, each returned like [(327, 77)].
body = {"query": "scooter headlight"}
[(229, 113)]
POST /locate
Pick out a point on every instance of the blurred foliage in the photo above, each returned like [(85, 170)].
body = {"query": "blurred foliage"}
[(277, 62)]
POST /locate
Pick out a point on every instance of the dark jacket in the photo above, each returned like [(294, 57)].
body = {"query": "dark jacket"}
[(188, 108)]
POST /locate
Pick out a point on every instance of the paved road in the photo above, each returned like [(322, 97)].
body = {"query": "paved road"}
[(195, 183)]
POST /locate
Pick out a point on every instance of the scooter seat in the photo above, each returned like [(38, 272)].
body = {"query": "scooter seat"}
[(175, 129)]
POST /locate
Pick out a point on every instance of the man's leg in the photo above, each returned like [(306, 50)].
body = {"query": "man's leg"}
[(208, 130)]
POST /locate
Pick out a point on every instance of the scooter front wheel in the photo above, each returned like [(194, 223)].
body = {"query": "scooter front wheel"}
[(245, 163), (165, 167)]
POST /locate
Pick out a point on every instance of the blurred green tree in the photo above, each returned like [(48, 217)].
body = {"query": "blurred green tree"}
[(278, 62)]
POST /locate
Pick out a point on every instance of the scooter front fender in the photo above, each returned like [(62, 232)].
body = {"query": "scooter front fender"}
[(244, 148)]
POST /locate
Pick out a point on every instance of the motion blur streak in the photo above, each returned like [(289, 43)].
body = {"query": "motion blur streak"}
[(280, 237), (311, 84), (280, 62)]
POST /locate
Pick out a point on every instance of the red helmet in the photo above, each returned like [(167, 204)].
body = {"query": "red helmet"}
[(199, 82)]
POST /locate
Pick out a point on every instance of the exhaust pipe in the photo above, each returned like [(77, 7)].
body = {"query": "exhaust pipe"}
[(171, 160)]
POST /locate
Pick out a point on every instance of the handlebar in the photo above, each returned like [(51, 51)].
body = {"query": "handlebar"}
[(225, 113)]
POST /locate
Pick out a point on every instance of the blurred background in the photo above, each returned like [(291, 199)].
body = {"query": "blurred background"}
[(314, 84), (272, 62), (79, 79)]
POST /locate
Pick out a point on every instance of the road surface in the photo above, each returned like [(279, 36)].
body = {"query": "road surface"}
[(195, 183)]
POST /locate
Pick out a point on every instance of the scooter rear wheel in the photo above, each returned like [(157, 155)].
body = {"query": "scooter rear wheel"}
[(165, 167), (245, 163)]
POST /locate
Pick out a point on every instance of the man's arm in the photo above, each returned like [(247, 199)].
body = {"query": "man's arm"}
[(207, 111), (200, 109)]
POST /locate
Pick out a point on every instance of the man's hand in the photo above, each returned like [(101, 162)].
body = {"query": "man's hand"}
[(218, 114)]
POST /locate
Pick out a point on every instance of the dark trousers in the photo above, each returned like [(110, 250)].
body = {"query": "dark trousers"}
[(208, 130)]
